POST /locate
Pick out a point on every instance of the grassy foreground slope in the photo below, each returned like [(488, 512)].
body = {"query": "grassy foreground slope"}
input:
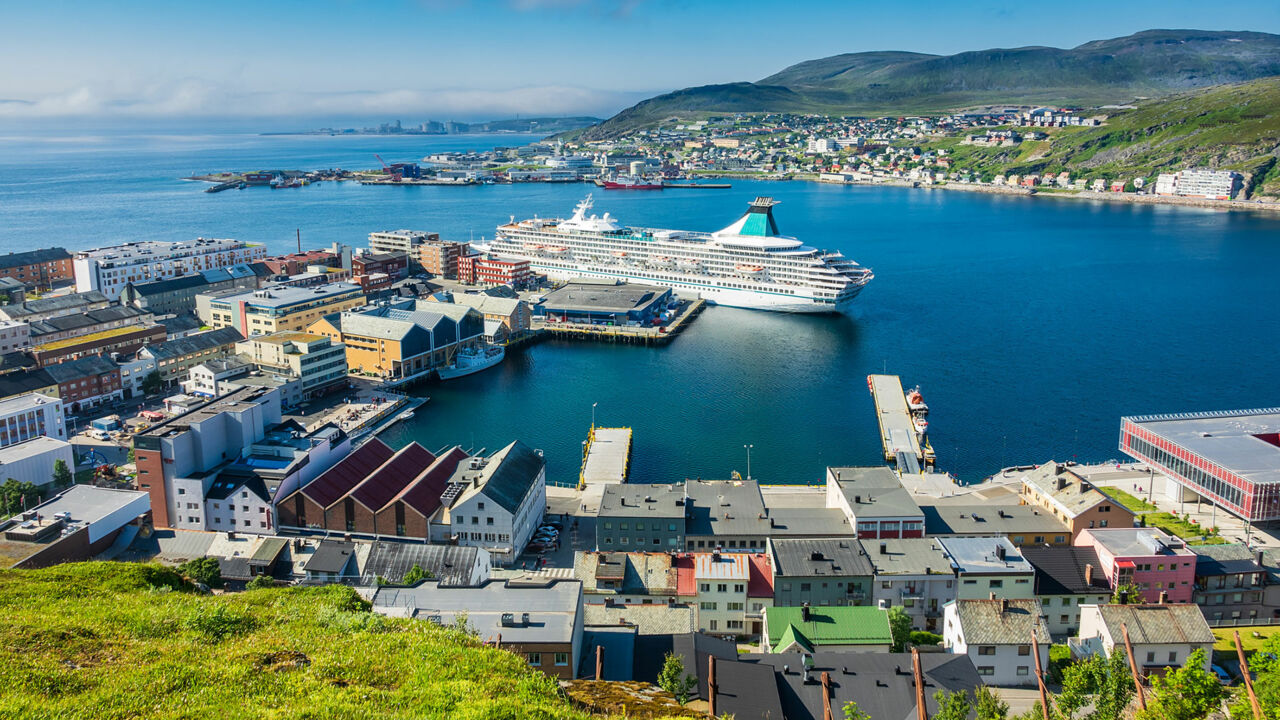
[(1234, 127), (114, 640)]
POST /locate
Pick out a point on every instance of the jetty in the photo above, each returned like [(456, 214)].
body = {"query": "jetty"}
[(623, 333), (897, 431), (606, 456)]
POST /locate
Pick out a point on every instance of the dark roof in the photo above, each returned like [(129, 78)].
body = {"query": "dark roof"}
[(24, 381), (1232, 559), (334, 483), (518, 468), (192, 344), (268, 552), (15, 360), (83, 367), (501, 291), (881, 683), (232, 479), (797, 557), (180, 324), (450, 565), (693, 649), (1061, 570), (31, 257), (744, 691), (619, 645), (331, 556), (55, 303), (656, 500), (156, 287), (115, 313), (396, 473), (234, 568), (423, 494)]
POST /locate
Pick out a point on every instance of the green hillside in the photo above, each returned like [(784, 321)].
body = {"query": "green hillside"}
[(113, 640), (1235, 127), (1153, 63)]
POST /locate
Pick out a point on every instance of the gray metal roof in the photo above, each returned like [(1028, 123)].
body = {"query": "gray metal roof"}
[(553, 608), (602, 298), (808, 522), (1001, 622), (794, 557), (982, 555), (1147, 541), (1162, 624), (874, 491), (331, 556), (908, 556), (54, 304), (276, 296), (657, 500), (450, 565), (726, 507), (192, 344), (1230, 439), (988, 519), (1230, 559)]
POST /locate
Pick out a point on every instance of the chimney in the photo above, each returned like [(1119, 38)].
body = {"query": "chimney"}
[(1001, 513), (804, 612), (1004, 605), (1000, 553), (991, 596), (857, 499), (884, 548), (1088, 574), (1164, 597)]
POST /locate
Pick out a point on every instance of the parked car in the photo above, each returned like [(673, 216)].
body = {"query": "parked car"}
[(1224, 677)]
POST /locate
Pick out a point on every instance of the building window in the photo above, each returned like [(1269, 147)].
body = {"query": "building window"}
[(986, 670), (986, 649), (1151, 657), (1024, 649), (1024, 670), (707, 606), (535, 659), (562, 659)]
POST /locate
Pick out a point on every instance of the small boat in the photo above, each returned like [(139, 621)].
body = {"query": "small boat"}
[(472, 360), (751, 271), (688, 263), (618, 254), (922, 425), (915, 401), (660, 261)]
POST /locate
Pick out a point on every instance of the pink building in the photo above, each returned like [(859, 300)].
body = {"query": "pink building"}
[(1153, 560)]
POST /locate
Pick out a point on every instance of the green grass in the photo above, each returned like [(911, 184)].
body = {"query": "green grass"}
[(96, 640), (1225, 638), (1136, 505), (1194, 534)]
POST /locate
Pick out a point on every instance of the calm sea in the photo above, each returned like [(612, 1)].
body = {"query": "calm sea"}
[(1031, 326)]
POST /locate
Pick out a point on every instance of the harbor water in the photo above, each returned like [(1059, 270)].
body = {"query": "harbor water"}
[(1031, 325)]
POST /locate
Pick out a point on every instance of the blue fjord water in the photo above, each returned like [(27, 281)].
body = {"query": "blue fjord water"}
[(1032, 326)]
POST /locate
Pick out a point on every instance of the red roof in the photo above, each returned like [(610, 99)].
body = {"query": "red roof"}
[(392, 476), (334, 483), (761, 582), (685, 584), (423, 494)]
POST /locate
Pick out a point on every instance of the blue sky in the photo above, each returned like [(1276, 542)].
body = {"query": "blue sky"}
[(471, 59)]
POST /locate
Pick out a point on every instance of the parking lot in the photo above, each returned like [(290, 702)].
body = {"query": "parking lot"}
[(579, 534)]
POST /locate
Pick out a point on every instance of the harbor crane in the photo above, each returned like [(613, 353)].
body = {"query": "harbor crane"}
[(395, 174)]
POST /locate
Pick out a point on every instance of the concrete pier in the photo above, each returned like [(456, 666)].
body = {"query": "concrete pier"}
[(897, 431), (606, 457)]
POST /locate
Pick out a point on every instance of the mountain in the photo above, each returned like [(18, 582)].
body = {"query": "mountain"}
[(1152, 63)]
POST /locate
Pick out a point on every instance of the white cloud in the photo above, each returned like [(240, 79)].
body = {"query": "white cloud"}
[(200, 98)]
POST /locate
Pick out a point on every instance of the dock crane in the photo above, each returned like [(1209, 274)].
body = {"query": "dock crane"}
[(395, 174)]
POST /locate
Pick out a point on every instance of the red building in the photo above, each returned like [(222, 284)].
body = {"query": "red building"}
[(394, 264), (296, 263), (86, 382), (373, 283), (38, 268), (477, 270)]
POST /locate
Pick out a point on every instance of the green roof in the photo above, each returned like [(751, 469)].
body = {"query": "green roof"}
[(792, 636), (839, 625)]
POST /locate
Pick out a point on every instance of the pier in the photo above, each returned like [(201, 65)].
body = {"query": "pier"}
[(606, 456), (622, 333), (897, 432)]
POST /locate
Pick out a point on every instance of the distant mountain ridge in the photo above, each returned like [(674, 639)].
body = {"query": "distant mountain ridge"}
[(1151, 63)]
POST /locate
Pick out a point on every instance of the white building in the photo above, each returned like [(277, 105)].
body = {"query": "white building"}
[(211, 378), (133, 371), (996, 635), (108, 270), (14, 335), (32, 461), (1199, 182), (821, 146), (316, 363), (501, 501), (1162, 636), (31, 416), (238, 502), (405, 241), (721, 580), (913, 574)]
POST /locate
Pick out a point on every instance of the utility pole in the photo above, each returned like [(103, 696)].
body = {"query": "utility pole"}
[(748, 447), (1133, 667), (1044, 691), (922, 710), (1248, 682)]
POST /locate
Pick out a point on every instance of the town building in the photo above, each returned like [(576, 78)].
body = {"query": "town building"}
[(1071, 499), (807, 629), (730, 516), (597, 303), (177, 295), (500, 501), (1067, 578), (440, 257), (12, 292), (505, 319), (175, 358), (338, 257), (402, 340), (31, 415), (177, 458), (117, 341), (212, 378), (1024, 525), (109, 270), (479, 270), (1200, 182), (1229, 458), (86, 382), (14, 335), (1157, 563), (276, 307), (332, 561), (76, 525), (374, 491), (914, 574), (623, 578), (875, 501), (134, 371), (311, 365), (27, 380), (446, 565), (30, 311), (38, 269), (987, 566), (1231, 583), (543, 623), (393, 263), (1162, 636), (400, 241), (33, 460), (820, 571), (997, 636), (86, 323), (731, 591), (641, 517)]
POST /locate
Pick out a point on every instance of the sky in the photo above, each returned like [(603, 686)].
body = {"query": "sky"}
[(283, 61)]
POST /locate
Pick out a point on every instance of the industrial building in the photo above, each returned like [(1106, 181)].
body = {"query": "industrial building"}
[(602, 304)]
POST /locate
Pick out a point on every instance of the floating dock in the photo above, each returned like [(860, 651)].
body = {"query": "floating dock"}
[(606, 457), (897, 431)]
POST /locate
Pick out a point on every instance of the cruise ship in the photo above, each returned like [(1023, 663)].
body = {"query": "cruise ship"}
[(747, 264)]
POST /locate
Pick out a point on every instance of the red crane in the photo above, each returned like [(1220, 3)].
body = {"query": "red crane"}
[(395, 175)]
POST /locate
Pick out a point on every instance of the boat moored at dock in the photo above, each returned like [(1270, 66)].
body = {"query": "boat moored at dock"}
[(472, 360)]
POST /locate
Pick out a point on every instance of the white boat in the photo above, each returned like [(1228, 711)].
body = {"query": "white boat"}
[(472, 360), (747, 264)]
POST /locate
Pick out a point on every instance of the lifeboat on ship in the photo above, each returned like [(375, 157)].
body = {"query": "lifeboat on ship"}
[(661, 261), (751, 271), (689, 263)]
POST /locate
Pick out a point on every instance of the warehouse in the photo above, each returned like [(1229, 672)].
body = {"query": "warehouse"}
[(602, 304)]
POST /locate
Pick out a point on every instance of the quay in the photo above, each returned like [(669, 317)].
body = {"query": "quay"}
[(606, 456), (623, 333), (897, 432)]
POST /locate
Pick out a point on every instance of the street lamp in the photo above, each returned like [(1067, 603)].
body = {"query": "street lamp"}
[(748, 447), (593, 415)]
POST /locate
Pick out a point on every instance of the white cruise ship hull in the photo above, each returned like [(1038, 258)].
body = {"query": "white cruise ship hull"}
[(708, 290)]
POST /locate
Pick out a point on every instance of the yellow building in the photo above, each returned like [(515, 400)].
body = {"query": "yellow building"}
[(277, 308), (398, 342)]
